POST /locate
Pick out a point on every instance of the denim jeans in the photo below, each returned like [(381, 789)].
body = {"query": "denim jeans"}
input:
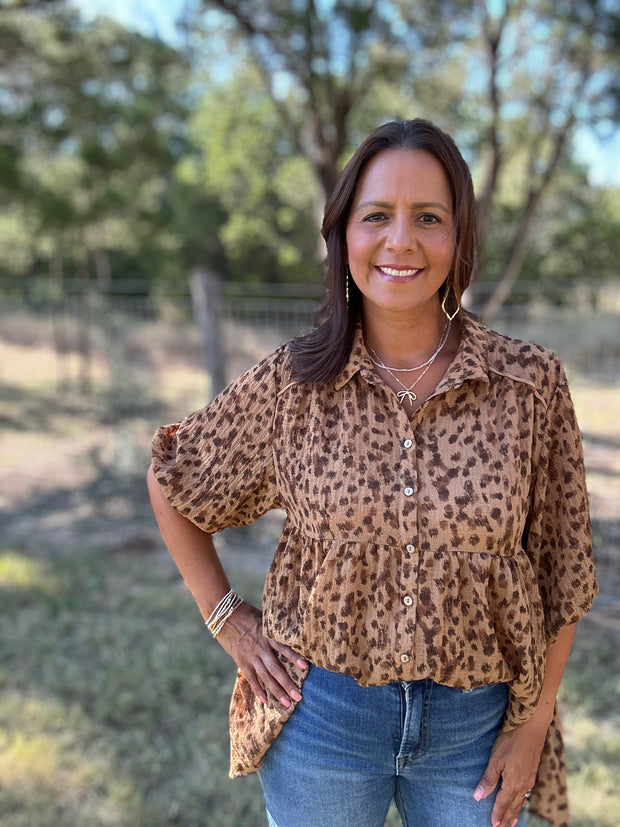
[(348, 750)]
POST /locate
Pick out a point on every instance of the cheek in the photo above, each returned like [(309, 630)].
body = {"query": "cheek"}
[(359, 244), (443, 245)]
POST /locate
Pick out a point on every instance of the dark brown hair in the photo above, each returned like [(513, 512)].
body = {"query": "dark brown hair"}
[(320, 355)]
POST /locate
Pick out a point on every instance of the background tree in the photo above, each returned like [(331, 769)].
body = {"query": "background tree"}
[(107, 175), (551, 69), (511, 81), (323, 64), (263, 193), (92, 123)]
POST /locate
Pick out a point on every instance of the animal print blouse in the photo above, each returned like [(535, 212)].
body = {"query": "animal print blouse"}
[(453, 546)]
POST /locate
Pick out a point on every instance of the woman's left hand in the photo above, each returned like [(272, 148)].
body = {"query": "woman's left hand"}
[(514, 758)]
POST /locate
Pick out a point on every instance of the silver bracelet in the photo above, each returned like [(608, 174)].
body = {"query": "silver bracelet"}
[(222, 612)]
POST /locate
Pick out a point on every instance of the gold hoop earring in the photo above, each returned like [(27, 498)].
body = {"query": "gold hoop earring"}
[(449, 317)]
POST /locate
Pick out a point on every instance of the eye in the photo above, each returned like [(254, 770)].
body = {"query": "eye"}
[(429, 219), (374, 217)]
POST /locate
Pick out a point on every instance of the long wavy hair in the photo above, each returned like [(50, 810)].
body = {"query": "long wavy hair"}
[(320, 355)]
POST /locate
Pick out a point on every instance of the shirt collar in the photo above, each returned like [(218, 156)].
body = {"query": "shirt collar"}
[(470, 362), (358, 361)]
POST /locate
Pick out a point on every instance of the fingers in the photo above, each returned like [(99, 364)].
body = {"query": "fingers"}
[(510, 800), (508, 805), (515, 758), (257, 657), (274, 679), (289, 654), (487, 783)]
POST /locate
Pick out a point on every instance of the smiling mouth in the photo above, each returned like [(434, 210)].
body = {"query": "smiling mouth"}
[(390, 271)]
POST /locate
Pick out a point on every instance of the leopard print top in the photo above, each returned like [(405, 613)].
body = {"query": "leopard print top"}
[(453, 546)]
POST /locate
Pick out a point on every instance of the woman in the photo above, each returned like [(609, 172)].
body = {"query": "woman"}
[(436, 552)]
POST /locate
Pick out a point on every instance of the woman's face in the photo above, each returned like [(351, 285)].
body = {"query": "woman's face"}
[(400, 233)]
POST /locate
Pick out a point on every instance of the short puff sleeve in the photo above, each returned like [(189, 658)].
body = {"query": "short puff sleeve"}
[(558, 537), (217, 466)]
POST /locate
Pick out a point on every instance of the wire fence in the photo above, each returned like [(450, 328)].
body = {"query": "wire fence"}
[(109, 344), (581, 325)]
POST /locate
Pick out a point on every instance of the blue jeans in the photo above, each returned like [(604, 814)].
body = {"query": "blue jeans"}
[(348, 750)]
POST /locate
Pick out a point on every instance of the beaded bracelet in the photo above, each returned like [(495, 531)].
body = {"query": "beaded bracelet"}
[(222, 612)]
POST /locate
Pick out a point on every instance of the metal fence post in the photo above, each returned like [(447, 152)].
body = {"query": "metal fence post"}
[(206, 302)]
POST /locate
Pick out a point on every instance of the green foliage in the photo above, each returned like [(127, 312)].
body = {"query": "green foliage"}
[(122, 155), (574, 238), (94, 118), (510, 81), (585, 244), (267, 194)]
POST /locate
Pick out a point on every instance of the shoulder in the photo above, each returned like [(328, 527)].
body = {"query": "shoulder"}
[(261, 389), (526, 362), (267, 376)]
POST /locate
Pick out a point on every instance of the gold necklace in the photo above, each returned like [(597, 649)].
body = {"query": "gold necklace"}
[(408, 392)]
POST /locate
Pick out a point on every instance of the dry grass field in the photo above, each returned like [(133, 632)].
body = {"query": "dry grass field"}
[(114, 700)]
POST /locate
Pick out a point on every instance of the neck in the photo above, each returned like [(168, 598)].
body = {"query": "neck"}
[(403, 341)]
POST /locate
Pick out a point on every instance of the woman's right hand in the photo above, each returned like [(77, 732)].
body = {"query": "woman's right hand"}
[(242, 637)]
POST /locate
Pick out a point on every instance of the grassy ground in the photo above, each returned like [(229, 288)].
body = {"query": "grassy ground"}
[(114, 699)]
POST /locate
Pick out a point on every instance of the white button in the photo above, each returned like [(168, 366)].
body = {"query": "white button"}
[(410, 548), (407, 443), (404, 658), (408, 600), (408, 491)]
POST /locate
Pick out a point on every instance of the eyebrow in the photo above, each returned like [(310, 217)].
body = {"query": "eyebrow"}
[(436, 205)]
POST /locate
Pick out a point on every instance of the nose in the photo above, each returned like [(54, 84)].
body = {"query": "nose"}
[(401, 234)]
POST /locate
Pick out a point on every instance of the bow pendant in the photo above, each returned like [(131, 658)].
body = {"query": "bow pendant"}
[(406, 394)]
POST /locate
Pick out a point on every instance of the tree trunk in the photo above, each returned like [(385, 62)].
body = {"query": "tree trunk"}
[(518, 250), (516, 256), (59, 323), (84, 323), (493, 33)]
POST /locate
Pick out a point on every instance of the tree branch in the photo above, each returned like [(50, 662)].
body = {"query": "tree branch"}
[(492, 39), (29, 4), (559, 138), (518, 249)]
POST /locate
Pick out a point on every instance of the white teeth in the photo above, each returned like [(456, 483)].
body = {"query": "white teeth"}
[(391, 272)]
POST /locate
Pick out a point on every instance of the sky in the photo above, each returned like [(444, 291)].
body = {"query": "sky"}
[(157, 18), (149, 17)]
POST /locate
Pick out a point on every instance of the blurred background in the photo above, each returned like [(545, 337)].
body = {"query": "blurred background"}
[(164, 167)]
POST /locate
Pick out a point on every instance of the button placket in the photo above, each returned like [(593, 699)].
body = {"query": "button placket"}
[(408, 577)]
